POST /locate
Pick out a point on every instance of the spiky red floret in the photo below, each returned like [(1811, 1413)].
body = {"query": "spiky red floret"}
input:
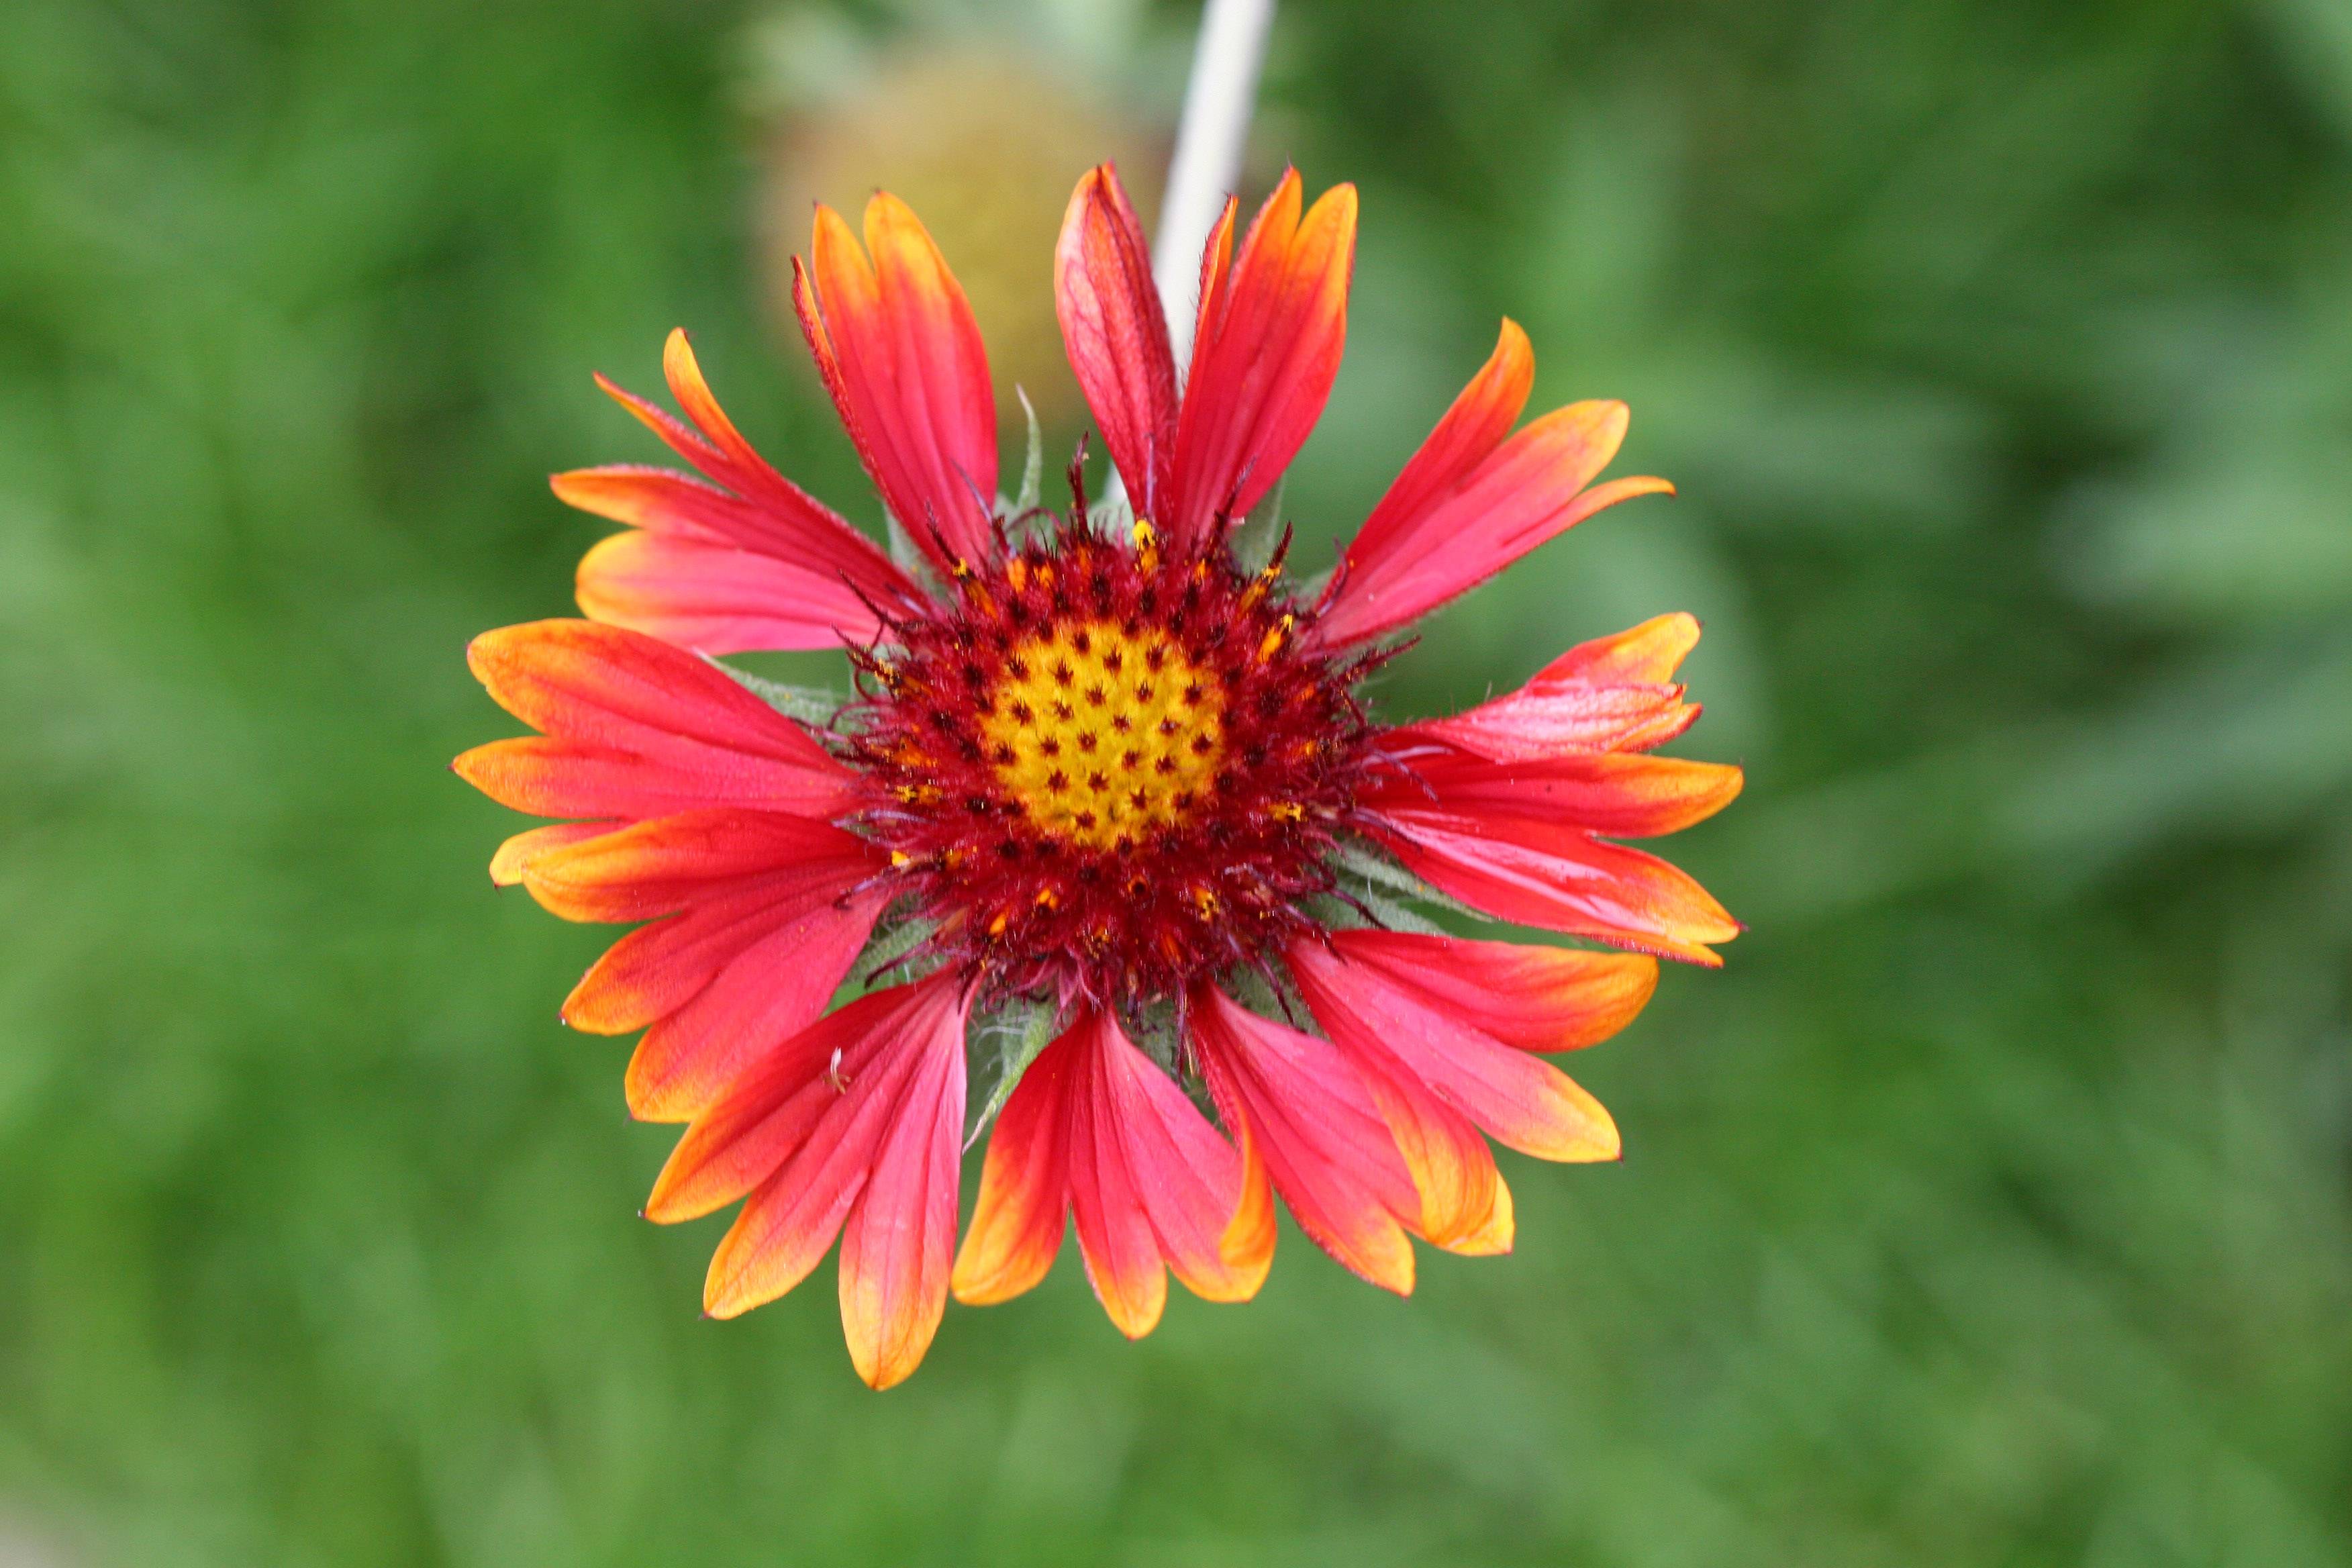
[(1105, 769)]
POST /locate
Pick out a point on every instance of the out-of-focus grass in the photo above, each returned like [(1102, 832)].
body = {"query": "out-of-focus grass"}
[(1989, 1208)]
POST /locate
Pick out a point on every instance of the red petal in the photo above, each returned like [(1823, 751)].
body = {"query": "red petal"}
[(1647, 655), (783, 1232), (636, 728), (810, 566), (778, 982), (666, 501), (770, 928), (661, 501), (1481, 416), (615, 688), (765, 1115), (1271, 332), (719, 449), (1611, 793), (1323, 1141), (1531, 723), (1150, 1182), (1116, 335), (1115, 1240), (1525, 492), (657, 969), (564, 778), (1435, 1059), (1189, 1178), (1247, 1247), (1533, 999), (898, 1248), (1447, 1159), (716, 598), (1613, 694), (1216, 267), (654, 869), (744, 471), (1025, 1195), (1538, 875), (1097, 1129), (896, 345), (513, 859), (818, 1123)]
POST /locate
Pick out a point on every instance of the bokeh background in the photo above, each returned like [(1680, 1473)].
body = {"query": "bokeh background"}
[(1992, 1206)]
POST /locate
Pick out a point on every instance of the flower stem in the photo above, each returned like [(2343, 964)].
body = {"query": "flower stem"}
[(1207, 165)]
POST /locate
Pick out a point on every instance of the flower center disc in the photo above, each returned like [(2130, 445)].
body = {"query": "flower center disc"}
[(1104, 737), (1106, 772)]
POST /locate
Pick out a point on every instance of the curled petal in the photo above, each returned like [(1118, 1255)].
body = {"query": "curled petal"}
[(895, 343), (1216, 268), (1532, 723), (1647, 655), (1272, 328), (1116, 335), (1322, 1141), (1247, 1247), (1526, 491), (1495, 1237), (1613, 694)]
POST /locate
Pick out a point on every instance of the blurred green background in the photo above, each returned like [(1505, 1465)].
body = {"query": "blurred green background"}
[(1993, 1207)]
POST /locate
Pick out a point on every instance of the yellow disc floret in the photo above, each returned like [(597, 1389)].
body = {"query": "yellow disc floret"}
[(1104, 736)]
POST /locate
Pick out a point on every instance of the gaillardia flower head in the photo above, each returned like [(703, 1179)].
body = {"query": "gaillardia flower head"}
[(1106, 812)]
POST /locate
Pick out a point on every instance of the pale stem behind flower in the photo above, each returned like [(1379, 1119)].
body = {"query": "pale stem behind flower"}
[(1218, 100), (1208, 162)]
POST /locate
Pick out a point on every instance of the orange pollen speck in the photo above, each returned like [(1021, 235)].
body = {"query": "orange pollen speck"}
[(1101, 734), (1273, 638)]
